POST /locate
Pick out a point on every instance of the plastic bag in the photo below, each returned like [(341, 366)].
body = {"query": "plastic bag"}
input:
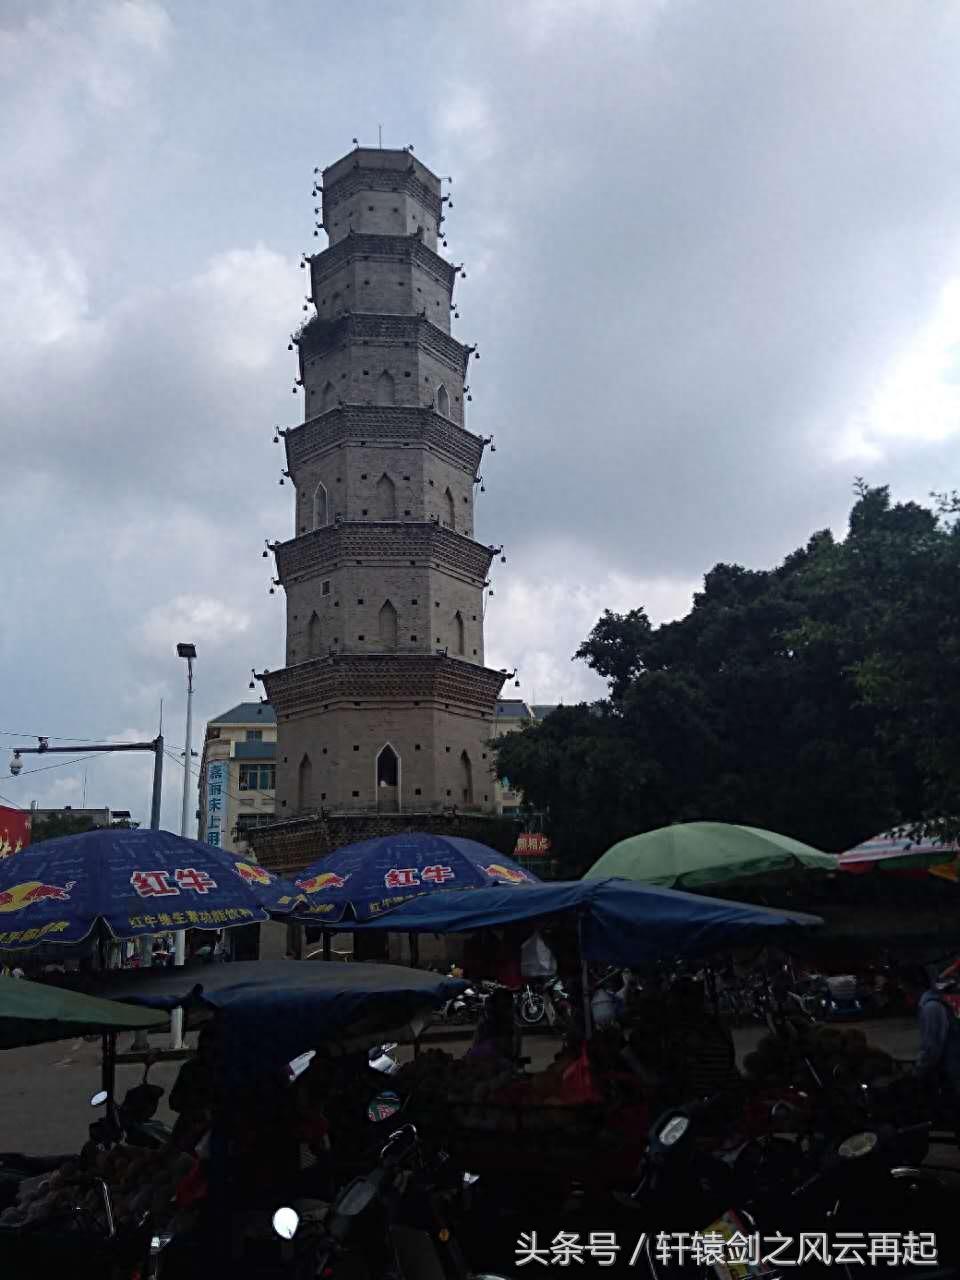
[(536, 958)]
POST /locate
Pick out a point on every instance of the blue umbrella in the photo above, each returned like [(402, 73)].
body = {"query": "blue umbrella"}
[(132, 883), (374, 876)]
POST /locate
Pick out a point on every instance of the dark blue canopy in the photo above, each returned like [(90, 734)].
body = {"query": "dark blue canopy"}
[(272, 1011), (134, 882), (373, 877), (622, 922)]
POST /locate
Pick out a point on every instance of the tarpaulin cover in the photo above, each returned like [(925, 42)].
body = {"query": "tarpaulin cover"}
[(32, 1013), (623, 923), (367, 879), (272, 1011), (135, 883)]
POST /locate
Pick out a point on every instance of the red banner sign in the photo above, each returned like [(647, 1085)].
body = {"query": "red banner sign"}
[(530, 844), (14, 831)]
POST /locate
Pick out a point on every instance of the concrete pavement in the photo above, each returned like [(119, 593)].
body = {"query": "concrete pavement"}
[(45, 1091)]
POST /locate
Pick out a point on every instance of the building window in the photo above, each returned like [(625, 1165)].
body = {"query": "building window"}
[(325, 587), (416, 791), (213, 733), (254, 735), (258, 777), (416, 746), (356, 795), (443, 401), (356, 747)]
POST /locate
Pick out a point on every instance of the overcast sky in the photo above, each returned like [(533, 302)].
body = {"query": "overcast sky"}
[(713, 269)]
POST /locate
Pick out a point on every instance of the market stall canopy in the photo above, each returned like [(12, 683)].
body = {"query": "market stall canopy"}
[(894, 851), (699, 855), (131, 883), (272, 1011), (621, 923), (374, 876), (33, 1013)]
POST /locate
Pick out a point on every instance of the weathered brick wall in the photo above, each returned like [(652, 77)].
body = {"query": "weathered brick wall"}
[(421, 482), (381, 284), (344, 743), (426, 603), (403, 192), (350, 373), (289, 847)]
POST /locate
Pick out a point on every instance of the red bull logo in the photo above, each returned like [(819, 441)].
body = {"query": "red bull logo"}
[(252, 874), (325, 880), (510, 875), (19, 896)]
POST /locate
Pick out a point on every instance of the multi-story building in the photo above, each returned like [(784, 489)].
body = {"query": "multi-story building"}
[(513, 714), (238, 775), (385, 708)]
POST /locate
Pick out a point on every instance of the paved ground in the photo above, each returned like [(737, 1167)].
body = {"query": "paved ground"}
[(45, 1091)]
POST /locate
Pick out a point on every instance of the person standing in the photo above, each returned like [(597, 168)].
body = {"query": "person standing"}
[(938, 1063)]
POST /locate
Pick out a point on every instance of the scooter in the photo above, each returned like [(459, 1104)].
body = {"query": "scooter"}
[(404, 1194)]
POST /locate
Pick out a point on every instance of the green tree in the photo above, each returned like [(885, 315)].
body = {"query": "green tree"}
[(819, 698)]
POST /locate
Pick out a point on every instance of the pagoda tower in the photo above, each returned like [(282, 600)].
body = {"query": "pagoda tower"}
[(384, 707)]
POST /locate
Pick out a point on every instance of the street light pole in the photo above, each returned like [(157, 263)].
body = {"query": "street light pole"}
[(189, 652)]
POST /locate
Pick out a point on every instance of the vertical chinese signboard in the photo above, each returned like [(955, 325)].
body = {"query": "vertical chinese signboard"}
[(216, 801), (14, 831)]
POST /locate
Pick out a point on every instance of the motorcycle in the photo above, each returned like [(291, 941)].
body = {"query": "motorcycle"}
[(466, 1008), (530, 1006), (557, 1004), (133, 1120), (854, 1186), (406, 1196)]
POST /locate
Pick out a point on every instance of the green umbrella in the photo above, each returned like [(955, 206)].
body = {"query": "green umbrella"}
[(694, 855), (34, 1013)]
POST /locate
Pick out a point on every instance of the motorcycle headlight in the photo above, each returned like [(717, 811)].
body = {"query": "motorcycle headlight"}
[(673, 1130)]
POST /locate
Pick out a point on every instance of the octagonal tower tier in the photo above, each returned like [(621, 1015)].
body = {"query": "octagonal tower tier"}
[(384, 705)]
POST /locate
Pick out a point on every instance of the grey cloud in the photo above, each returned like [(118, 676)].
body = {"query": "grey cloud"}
[(697, 233)]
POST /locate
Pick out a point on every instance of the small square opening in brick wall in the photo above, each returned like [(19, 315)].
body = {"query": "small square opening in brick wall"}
[(356, 795), (359, 599), (364, 511), (406, 477), (406, 513), (361, 637), (414, 639), (413, 602), (447, 749), (474, 653), (449, 792), (416, 746), (325, 587), (486, 797), (363, 475), (483, 755), (416, 791), (356, 747), (323, 751)]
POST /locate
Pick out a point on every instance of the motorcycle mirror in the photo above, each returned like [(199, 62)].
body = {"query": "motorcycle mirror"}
[(285, 1223), (470, 1178), (673, 1130), (99, 1099), (382, 1107), (299, 1065), (857, 1145)]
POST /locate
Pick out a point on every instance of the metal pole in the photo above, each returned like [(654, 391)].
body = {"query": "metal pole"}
[(187, 755), (141, 1041), (180, 937), (585, 983), (157, 782)]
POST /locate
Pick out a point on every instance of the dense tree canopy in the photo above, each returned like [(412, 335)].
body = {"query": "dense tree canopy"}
[(67, 824), (820, 698)]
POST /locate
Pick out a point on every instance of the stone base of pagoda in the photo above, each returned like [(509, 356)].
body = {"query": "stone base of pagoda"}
[(289, 846)]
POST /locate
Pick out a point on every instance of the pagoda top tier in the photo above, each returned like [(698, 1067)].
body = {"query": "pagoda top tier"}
[(375, 191)]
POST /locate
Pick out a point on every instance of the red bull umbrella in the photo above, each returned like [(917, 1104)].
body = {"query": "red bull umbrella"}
[(368, 879), (130, 883)]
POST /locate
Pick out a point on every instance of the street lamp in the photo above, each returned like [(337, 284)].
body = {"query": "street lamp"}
[(189, 652)]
